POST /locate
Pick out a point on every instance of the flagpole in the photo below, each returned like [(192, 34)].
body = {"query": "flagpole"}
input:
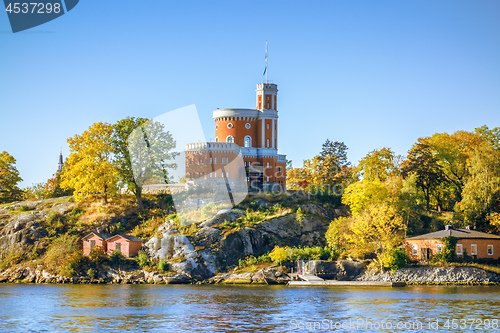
[(267, 69)]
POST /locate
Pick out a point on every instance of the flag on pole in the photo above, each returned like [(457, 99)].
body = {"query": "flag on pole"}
[(265, 69)]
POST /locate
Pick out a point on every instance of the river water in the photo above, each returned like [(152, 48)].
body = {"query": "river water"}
[(217, 308)]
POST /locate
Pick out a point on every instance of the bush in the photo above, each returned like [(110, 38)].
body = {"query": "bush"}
[(59, 253), (450, 244), (92, 273), (98, 257), (163, 266), (397, 258), (142, 259), (116, 258)]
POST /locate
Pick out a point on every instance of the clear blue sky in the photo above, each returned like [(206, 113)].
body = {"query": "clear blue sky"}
[(370, 73)]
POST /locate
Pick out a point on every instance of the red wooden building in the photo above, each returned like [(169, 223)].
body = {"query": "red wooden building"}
[(129, 246), (93, 240), (473, 243)]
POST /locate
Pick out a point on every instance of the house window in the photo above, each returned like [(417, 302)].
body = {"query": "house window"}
[(118, 247), (459, 250), (473, 250), (439, 248), (490, 250), (414, 250), (92, 244)]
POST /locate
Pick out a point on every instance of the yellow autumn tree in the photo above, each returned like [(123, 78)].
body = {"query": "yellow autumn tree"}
[(279, 254), (378, 229), (90, 169)]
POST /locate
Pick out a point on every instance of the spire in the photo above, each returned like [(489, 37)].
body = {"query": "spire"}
[(60, 164)]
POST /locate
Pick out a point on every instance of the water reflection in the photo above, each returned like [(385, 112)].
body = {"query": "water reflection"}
[(230, 308)]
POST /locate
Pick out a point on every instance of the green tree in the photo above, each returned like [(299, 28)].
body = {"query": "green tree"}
[(9, 178), (151, 156), (425, 166), (121, 133), (490, 135), (379, 164), (90, 168), (452, 153), (481, 194)]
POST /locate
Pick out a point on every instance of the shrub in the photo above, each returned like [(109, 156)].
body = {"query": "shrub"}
[(396, 259), (142, 259), (60, 253), (450, 243), (116, 258), (91, 273), (279, 254), (163, 266), (24, 208), (73, 265), (98, 257), (11, 258), (299, 216), (264, 258)]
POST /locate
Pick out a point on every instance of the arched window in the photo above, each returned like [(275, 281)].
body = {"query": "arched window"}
[(216, 139), (230, 138), (248, 141)]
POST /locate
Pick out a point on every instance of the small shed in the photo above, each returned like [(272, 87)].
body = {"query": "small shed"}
[(93, 240), (129, 246)]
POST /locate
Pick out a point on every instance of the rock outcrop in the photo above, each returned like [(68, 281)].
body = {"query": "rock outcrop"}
[(269, 275), (215, 248)]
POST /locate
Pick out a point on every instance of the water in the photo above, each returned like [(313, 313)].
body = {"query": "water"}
[(213, 308)]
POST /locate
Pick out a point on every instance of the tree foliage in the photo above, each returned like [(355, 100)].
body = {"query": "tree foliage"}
[(328, 172), (279, 254), (9, 178), (90, 169), (481, 194), (151, 156), (120, 141)]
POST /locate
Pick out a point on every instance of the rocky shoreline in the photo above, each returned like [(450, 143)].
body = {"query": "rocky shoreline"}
[(423, 275), (21, 274), (459, 275)]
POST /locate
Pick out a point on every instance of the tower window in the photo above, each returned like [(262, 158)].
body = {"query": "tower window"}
[(248, 141), (229, 125), (247, 125), (216, 139), (267, 143), (267, 125), (230, 138)]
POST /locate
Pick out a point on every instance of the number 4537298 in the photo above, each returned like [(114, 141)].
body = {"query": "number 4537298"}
[(33, 8)]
